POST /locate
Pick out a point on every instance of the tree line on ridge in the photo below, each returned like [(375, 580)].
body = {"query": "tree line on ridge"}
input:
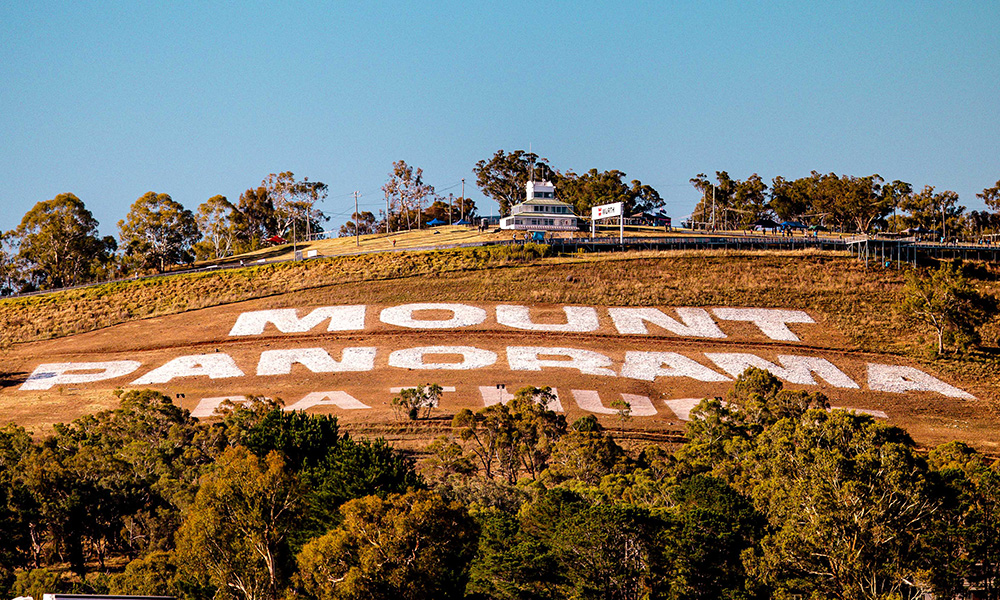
[(58, 244)]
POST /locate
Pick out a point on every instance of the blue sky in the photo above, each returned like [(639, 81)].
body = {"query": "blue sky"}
[(110, 100)]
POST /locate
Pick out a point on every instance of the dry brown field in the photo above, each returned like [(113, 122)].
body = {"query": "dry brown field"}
[(156, 321)]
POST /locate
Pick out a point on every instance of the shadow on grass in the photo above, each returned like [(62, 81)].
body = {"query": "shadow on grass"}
[(268, 254), (990, 352), (12, 379)]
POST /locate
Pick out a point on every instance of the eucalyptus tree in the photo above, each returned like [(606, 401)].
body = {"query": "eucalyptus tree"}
[(991, 196), (255, 220), (406, 192), (848, 502), (361, 223), (595, 187), (504, 176), (948, 301), (938, 211), (862, 201), (294, 201), (217, 224), (508, 439), (404, 547), (8, 270), (790, 199), (59, 245), (965, 549), (717, 199), (157, 233), (894, 194), (235, 537)]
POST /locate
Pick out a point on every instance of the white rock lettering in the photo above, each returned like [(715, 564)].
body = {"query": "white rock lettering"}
[(413, 358), (317, 360), (579, 319), (213, 366), (47, 376), (462, 315), (286, 320), (900, 380), (650, 365), (793, 369), (771, 321), (695, 322), (588, 362), (590, 400), (337, 399)]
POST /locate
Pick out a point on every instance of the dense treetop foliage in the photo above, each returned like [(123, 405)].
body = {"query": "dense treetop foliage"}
[(839, 202), (947, 300), (502, 178), (772, 495), (58, 246), (158, 232)]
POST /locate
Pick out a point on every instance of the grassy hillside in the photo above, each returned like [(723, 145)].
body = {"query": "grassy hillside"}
[(861, 301), (438, 236)]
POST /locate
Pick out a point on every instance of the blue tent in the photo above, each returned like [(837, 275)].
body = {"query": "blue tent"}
[(435, 222), (463, 222), (792, 225)]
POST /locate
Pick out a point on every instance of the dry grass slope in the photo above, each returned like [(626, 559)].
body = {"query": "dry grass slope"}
[(861, 302)]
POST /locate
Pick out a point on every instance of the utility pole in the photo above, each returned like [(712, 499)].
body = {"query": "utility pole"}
[(943, 236), (713, 208), (463, 199), (308, 226), (451, 207), (357, 220)]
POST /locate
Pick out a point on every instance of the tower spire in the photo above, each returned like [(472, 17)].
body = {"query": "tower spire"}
[(532, 155)]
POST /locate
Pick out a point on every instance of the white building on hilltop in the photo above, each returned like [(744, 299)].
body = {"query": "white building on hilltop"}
[(540, 211)]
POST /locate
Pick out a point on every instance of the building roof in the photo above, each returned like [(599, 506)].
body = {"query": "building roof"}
[(541, 183), (549, 201)]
